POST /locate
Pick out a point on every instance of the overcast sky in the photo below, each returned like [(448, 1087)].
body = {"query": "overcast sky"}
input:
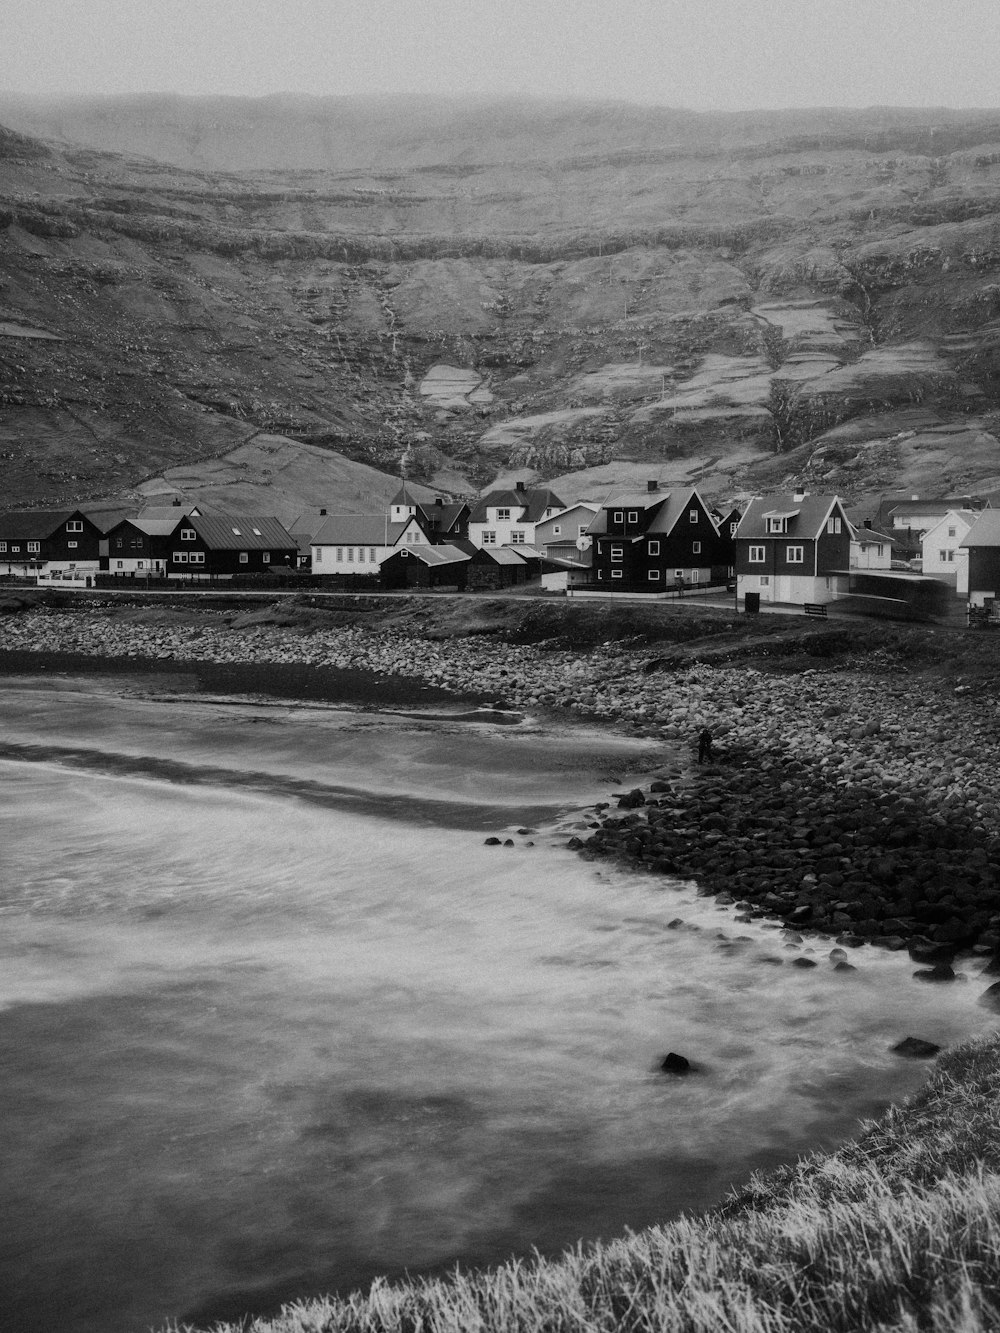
[(728, 54)]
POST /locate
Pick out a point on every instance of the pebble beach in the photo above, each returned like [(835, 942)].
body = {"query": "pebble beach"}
[(851, 798)]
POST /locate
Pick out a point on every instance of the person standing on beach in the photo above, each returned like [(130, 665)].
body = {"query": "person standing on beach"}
[(705, 746)]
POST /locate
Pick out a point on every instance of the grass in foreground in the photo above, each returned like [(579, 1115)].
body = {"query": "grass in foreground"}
[(898, 1230)]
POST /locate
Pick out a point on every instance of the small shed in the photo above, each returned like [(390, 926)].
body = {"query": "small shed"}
[(425, 567), (495, 567)]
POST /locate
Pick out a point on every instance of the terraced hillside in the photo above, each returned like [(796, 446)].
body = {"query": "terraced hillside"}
[(318, 290)]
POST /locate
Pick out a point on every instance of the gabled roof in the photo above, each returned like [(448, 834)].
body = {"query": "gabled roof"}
[(502, 555), (966, 516), (359, 530), (166, 511), (527, 552), (434, 555), (985, 531), (239, 532), (403, 497), (444, 515), (635, 500), (938, 505), (810, 514), (862, 534), (34, 524), (153, 527), (533, 502)]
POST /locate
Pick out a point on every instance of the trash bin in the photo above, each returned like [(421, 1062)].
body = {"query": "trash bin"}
[(751, 603)]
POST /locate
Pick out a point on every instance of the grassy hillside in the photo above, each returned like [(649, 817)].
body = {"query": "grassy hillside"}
[(629, 291)]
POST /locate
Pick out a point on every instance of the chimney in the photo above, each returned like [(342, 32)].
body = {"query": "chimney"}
[(519, 485), (322, 513), (652, 486), (438, 501), (177, 502), (799, 496), (868, 524)]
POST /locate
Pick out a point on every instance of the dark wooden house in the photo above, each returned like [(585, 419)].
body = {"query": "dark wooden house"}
[(793, 548), (425, 566), (652, 541), (39, 540)]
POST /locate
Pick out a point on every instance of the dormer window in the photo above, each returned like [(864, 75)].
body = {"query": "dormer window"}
[(503, 515), (776, 524)]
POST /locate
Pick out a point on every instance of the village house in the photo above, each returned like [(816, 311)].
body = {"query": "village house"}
[(228, 545), (44, 541), (140, 547), (443, 521), (942, 553), (982, 546), (563, 535), (793, 548), (425, 566), (356, 544), (650, 541), (870, 549), (911, 519), (509, 517)]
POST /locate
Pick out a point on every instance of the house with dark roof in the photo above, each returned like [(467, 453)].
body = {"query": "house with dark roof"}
[(140, 547), (793, 548), (654, 540), (982, 544), (425, 566), (912, 519), (444, 521), (871, 549), (509, 517), (224, 546), (39, 541), (356, 544)]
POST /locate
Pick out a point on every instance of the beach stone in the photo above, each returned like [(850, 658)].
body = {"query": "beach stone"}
[(940, 972), (915, 1048), (672, 1063), (492, 842), (990, 998)]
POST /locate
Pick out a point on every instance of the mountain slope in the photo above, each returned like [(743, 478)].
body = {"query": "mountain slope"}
[(567, 291)]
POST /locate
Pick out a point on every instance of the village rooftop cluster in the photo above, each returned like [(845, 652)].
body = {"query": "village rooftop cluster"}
[(794, 549)]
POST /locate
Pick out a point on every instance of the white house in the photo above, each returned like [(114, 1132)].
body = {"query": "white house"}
[(944, 557), (509, 518), (357, 544), (564, 533), (870, 549)]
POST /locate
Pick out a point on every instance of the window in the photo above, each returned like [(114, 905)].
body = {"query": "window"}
[(189, 534), (340, 555), (120, 564), (776, 525), (633, 516), (556, 530), (256, 532), (794, 555), (732, 529), (140, 564), (951, 555), (371, 554), (237, 533), (265, 557), (756, 556), (652, 574), (618, 516), (15, 546), (617, 553), (244, 557), (503, 515), (692, 516), (350, 555), (942, 556), (197, 557), (34, 546), (3, 546), (654, 548), (180, 557), (616, 573), (951, 532), (765, 580), (833, 525), (119, 543), (361, 554), (582, 530), (74, 525), (696, 548), (72, 545), (489, 538), (318, 557), (516, 537)]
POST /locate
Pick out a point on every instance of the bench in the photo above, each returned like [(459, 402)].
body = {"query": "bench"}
[(815, 609)]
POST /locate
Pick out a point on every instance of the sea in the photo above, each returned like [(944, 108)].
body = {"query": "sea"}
[(275, 1018)]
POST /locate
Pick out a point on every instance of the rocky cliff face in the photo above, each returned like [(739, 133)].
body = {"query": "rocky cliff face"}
[(581, 293)]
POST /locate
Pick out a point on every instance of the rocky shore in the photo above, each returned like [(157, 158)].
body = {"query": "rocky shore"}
[(849, 796)]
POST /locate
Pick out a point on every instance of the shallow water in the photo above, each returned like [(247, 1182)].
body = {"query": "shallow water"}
[(273, 1019)]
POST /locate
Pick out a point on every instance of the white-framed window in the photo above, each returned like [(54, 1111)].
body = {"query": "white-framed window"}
[(516, 537), (319, 555), (189, 534), (120, 564), (775, 525), (833, 525), (633, 516), (756, 555), (600, 573), (617, 553), (34, 546), (557, 529), (3, 546), (794, 555), (616, 573), (951, 532), (654, 548), (140, 564), (74, 525), (652, 574), (265, 557), (72, 545), (196, 557), (618, 516), (581, 530), (180, 557), (489, 538), (696, 548), (350, 555), (732, 529), (503, 515), (879, 549), (765, 580), (15, 546), (371, 554), (244, 557), (692, 516), (340, 555), (362, 554)]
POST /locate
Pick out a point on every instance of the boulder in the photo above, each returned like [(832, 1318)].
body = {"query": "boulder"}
[(915, 1048), (672, 1063)]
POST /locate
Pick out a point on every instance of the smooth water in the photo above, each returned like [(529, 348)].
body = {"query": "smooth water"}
[(274, 1020)]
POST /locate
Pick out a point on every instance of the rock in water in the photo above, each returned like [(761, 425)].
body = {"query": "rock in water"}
[(672, 1063), (916, 1048)]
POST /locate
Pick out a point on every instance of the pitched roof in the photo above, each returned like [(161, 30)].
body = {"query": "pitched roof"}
[(533, 502), (358, 530), (434, 555), (937, 505), (444, 515), (33, 523), (635, 499), (806, 516), (155, 527), (985, 531), (859, 533), (240, 532)]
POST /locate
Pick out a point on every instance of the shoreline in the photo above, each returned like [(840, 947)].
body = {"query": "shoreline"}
[(848, 798)]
